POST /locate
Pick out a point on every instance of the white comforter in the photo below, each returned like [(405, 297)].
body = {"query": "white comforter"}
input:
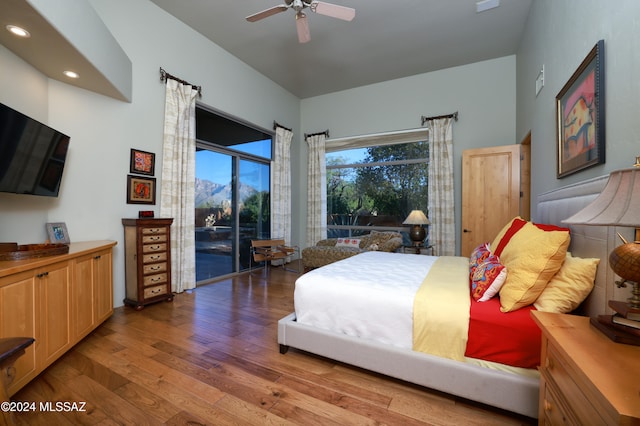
[(332, 298)]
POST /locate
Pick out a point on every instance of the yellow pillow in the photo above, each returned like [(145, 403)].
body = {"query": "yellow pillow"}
[(496, 241), (569, 286), (532, 256)]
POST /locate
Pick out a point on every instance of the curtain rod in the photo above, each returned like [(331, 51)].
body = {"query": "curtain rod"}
[(453, 115), (276, 124), (165, 75), (326, 133)]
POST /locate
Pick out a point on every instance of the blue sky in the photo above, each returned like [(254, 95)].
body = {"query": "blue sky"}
[(216, 167)]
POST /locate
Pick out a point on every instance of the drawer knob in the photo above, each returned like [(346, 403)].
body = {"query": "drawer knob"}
[(549, 364), (547, 406)]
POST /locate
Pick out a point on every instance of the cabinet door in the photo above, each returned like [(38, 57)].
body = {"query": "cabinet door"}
[(18, 319), (103, 285), (91, 292), (54, 288), (82, 296)]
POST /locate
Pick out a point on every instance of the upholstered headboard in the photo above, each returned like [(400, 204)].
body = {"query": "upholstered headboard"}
[(586, 241)]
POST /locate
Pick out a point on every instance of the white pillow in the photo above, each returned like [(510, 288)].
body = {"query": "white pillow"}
[(348, 242)]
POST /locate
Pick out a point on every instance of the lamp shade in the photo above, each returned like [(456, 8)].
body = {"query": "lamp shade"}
[(416, 217), (617, 205)]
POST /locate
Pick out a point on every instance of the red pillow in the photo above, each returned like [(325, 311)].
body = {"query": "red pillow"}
[(488, 279)]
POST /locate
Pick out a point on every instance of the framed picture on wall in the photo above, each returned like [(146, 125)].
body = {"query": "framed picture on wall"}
[(580, 122), (142, 162), (141, 190)]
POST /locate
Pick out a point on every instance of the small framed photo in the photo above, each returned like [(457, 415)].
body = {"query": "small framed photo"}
[(580, 119), (57, 232), (142, 162), (141, 190)]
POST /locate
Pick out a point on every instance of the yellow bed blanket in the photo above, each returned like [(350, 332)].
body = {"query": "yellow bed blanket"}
[(441, 309)]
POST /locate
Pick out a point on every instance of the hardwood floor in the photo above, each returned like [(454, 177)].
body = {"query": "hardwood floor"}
[(211, 357)]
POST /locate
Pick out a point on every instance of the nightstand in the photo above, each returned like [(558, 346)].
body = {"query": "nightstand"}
[(585, 378), (427, 250)]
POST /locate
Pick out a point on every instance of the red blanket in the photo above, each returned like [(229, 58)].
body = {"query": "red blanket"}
[(510, 338)]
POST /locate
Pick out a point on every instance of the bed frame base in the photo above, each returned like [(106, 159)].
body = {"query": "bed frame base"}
[(496, 388)]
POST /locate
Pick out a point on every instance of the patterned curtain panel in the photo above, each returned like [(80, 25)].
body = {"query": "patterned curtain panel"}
[(317, 190), (178, 180), (281, 188), (442, 234)]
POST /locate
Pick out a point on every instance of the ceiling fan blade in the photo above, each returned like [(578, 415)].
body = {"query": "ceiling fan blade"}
[(333, 10), (266, 13), (302, 25)]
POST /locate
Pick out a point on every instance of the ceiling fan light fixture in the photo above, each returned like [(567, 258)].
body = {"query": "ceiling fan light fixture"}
[(302, 25), (333, 10)]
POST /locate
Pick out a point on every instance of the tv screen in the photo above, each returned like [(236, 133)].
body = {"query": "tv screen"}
[(32, 155)]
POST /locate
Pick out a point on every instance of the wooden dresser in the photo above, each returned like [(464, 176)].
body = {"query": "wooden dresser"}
[(147, 261), (585, 378), (57, 300)]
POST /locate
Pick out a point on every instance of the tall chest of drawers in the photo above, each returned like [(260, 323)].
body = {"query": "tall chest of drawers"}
[(147, 261)]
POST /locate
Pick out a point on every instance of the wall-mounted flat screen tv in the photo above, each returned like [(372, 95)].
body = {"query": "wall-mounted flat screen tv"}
[(32, 155)]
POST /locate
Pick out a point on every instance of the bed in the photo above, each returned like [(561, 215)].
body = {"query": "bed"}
[(387, 348)]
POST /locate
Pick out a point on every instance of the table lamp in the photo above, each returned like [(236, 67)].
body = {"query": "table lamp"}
[(619, 205), (417, 233)]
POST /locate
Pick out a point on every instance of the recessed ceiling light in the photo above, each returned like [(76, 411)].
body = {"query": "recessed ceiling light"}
[(71, 74), (20, 32)]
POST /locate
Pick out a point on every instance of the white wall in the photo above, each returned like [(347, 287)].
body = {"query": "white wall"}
[(103, 130), (560, 34), (483, 93)]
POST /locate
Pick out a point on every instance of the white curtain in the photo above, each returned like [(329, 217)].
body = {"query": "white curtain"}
[(281, 188), (441, 196), (316, 190), (178, 180)]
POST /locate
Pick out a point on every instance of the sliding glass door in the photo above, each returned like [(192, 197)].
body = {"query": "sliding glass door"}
[(231, 195), (214, 215)]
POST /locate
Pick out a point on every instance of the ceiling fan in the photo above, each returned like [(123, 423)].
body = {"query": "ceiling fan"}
[(322, 8)]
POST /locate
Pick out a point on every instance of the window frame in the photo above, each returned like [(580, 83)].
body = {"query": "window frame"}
[(368, 141)]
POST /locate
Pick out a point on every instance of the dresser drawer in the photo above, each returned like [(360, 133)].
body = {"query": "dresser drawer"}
[(152, 248), (158, 290), (159, 238), (154, 257), (558, 377), (154, 268), (554, 411), (154, 230), (154, 279)]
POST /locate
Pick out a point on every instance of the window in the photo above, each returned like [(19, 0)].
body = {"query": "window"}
[(375, 187)]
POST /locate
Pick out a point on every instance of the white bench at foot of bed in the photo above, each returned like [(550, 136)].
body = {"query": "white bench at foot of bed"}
[(492, 387)]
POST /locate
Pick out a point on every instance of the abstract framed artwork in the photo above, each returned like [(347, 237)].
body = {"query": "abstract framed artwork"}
[(142, 162), (141, 190), (580, 121)]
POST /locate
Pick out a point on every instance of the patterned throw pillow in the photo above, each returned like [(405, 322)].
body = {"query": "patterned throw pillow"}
[(487, 279), (478, 255), (348, 242)]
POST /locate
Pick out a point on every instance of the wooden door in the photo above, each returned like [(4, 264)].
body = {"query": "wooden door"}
[(490, 193)]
